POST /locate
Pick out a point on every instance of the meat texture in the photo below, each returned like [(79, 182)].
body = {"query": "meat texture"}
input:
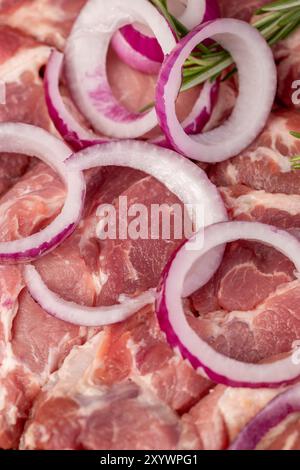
[(49, 21), (65, 387), (121, 394), (265, 165), (21, 60), (240, 10)]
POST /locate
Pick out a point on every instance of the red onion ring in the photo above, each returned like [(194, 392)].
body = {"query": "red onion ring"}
[(273, 414), (139, 48), (79, 314), (183, 338), (33, 141), (137, 56), (69, 128), (86, 52), (200, 114), (191, 187), (79, 138), (257, 85)]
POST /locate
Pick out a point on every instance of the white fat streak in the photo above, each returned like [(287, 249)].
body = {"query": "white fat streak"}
[(246, 203), (3, 395), (12, 415), (262, 153), (54, 355), (74, 368), (99, 279), (28, 440), (25, 18), (27, 60), (7, 317), (239, 405), (232, 173)]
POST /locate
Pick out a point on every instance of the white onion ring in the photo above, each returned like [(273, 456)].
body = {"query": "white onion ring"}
[(187, 181), (69, 128), (33, 141), (86, 52), (182, 337), (257, 88), (268, 418)]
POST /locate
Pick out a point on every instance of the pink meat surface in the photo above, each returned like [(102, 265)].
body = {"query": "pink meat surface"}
[(49, 21), (265, 165), (75, 270), (78, 411), (123, 393), (33, 344), (21, 60), (268, 319), (241, 10), (287, 55), (123, 387)]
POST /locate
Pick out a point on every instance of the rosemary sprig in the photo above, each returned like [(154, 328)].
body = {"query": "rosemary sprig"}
[(278, 20), (275, 21), (295, 160)]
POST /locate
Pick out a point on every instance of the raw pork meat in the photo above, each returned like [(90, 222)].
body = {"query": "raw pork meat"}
[(90, 271), (241, 10), (265, 165), (120, 394), (32, 343), (287, 55), (268, 319), (21, 60), (49, 21)]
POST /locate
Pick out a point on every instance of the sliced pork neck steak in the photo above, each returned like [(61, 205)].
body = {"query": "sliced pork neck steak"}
[(126, 397)]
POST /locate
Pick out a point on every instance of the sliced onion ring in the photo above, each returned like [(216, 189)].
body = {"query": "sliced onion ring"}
[(199, 115), (86, 52), (192, 187), (269, 417), (134, 48), (79, 314), (257, 88), (33, 141), (182, 337), (138, 47), (79, 138), (196, 12), (68, 127)]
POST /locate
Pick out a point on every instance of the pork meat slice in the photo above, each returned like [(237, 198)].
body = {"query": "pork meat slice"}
[(240, 10), (287, 55), (265, 165), (32, 343), (77, 410), (49, 21), (268, 320), (123, 396), (216, 420)]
